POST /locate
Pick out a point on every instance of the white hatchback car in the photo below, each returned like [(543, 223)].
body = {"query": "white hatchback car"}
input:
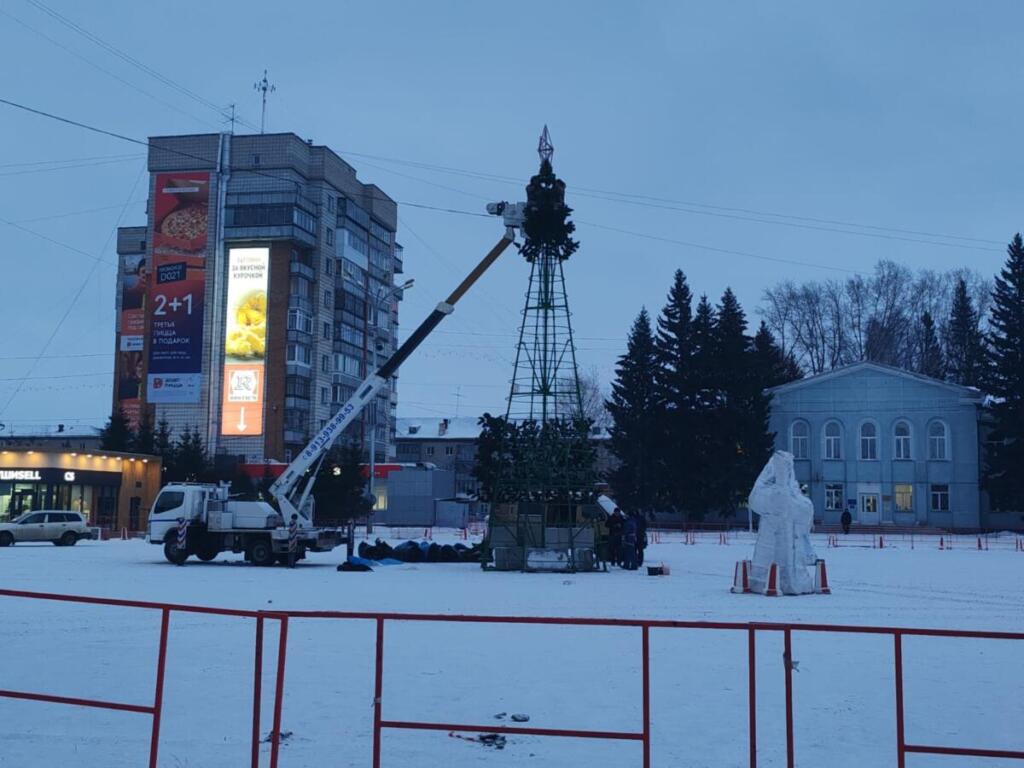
[(61, 527)]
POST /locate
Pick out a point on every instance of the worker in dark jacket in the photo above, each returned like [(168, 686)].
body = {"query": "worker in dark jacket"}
[(629, 543), (614, 524), (641, 537), (845, 519)]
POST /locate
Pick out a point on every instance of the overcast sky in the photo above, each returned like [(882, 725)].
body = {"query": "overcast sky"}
[(893, 115)]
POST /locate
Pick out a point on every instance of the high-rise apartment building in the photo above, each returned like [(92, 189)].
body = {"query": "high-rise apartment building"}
[(250, 304)]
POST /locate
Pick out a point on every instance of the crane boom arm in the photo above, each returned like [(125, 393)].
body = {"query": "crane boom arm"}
[(284, 487)]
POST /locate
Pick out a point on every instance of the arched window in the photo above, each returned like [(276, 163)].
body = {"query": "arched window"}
[(938, 441), (868, 441), (833, 440), (901, 440), (799, 437)]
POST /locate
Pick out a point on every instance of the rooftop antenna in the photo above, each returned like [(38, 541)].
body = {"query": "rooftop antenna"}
[(264, 87), (232, 118)]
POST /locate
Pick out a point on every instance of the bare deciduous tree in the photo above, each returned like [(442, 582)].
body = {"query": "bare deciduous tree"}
[(825, 324)]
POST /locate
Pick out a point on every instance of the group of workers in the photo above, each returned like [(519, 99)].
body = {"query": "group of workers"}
[(627, 538)]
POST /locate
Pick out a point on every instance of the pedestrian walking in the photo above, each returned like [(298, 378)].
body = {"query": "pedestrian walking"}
[(614, 525), (845, 519), (293, 540), (629, 543)]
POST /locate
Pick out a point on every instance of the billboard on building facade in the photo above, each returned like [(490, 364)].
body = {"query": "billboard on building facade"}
[(177, 287), (245, 338), (131, 329)]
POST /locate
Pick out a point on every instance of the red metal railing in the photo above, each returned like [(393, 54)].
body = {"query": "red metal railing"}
[(380, 723), (156, 710)]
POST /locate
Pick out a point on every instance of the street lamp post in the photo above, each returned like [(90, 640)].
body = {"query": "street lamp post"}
[(376, 298)]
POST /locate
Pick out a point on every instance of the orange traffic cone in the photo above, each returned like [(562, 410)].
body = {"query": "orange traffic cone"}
[(773, 582), (821, 579), (741, 578)]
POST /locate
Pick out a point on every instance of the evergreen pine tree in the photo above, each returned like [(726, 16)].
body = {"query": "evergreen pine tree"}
[(143, 440), (340, 490), (674, 442), (774, 367), (704, 490), (117, 434), (192, 463), (744, 442), (965, 346), (163, 446), (635, 410), (1004, 478), (929, 353)]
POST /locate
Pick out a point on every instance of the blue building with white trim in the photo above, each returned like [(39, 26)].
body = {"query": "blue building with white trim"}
[(891, 446)]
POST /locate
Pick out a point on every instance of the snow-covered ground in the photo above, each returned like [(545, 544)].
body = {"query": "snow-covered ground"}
[(958, 692)]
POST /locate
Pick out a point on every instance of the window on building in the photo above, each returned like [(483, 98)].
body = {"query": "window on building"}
[(327, 331), (341, 393), (938, 439), (325, 396), (833, 440), (296, 386), (299, 321), (304, 220), (328, 265), (799, 438), (901, 440), (330, 236), (940, 498), (327, 299), (300, 286), (299, 354), (449, 450), (834, 496), (296, 420), (429, 450), (325, 363), (330, 203), (904, 494), (868, 441)]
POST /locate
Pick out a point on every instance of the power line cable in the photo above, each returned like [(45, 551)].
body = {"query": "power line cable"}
[(83, 212), (68, 160), (114, 50), (70, 166), (577, 189), (104, 70), (74, 299)]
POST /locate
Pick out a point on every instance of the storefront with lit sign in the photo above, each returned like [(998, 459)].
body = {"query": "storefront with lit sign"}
[(112, 490)]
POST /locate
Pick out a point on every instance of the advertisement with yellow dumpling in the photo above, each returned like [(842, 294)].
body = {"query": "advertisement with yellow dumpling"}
[(245, 341)]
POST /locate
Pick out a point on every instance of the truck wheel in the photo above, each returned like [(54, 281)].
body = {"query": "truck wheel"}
[(6, 539), (208, 549), (68, 539), (173, 554), (261, 552)]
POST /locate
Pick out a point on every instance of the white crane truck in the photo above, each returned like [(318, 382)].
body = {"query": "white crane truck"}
[(215, 523)]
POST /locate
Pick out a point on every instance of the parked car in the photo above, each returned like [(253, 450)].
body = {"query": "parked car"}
[(62, 528)]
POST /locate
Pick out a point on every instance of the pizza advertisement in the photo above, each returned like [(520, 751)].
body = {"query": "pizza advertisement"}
[(176, 295), (181, 213)]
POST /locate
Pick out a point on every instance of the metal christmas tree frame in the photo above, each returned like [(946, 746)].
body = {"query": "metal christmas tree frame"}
[(543, 518)]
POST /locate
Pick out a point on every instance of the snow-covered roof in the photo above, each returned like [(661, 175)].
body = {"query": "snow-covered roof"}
[(845, 370), (454, 428), (56, 430), (435, 428)]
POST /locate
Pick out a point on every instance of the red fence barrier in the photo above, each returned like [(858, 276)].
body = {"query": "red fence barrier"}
[(380, 723)]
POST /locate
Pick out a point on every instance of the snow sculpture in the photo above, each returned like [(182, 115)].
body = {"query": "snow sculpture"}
[(784, 533)]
